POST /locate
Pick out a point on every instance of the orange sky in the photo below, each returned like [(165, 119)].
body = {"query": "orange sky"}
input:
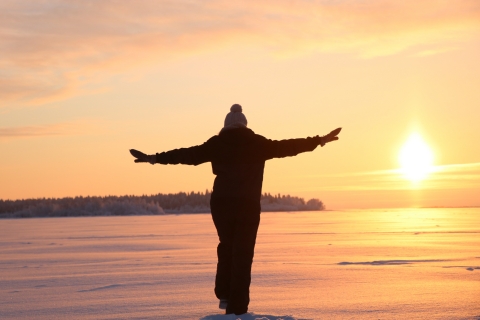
[(81, 82)]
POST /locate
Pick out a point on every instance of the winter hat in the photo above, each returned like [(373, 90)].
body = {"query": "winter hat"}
[(235, 118)]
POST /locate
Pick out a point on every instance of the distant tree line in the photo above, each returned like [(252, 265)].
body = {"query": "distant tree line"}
[(193, 202)]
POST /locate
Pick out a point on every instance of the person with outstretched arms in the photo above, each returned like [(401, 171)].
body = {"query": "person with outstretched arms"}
[(238, 156)]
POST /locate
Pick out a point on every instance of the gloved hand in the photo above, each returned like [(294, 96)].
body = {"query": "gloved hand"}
[(142, 157), (332, 136)]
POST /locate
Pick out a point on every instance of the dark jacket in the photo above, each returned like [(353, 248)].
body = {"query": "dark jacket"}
[(238, 158)]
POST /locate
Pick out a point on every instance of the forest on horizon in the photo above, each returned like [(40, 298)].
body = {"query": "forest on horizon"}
[(157, 204)]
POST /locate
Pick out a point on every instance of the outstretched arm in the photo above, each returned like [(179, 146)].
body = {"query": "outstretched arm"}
[(192, 156), (292, 147)]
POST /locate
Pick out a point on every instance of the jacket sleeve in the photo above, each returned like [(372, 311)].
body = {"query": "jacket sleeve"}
[(290, 147), (192, 156)]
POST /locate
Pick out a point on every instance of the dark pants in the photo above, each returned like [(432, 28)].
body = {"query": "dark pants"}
[(236, 220)]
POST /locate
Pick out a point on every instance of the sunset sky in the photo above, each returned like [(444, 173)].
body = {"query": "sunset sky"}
[(82, 82)]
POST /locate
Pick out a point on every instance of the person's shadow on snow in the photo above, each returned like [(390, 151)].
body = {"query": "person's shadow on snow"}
[(248, 316)]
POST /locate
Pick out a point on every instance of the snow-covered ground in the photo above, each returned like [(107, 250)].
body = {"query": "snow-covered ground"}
[(366, 264)]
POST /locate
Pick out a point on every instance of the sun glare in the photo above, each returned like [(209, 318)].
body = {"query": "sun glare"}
[(416, 158)]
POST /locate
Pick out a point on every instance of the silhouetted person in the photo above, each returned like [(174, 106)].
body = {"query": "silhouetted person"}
[(238, 158)]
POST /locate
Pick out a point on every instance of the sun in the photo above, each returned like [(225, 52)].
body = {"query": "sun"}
[(416, 158)]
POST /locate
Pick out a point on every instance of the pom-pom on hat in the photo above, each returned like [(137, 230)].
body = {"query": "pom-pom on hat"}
[(235, 118)]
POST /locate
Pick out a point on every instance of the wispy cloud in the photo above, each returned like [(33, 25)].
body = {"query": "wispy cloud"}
[(56, 129), (51, 49), (452, 176), (460, 167)]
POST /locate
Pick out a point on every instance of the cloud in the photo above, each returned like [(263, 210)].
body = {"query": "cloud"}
[(56, 129), (451, 176), (53, 49)]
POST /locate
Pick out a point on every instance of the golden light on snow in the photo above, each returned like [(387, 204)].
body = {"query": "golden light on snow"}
[(416, 158)]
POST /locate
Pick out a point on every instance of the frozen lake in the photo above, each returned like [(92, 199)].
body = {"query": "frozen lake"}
[(365, 264)]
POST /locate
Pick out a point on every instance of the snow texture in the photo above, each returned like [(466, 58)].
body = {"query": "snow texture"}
[(248, 316), (364, 264)]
